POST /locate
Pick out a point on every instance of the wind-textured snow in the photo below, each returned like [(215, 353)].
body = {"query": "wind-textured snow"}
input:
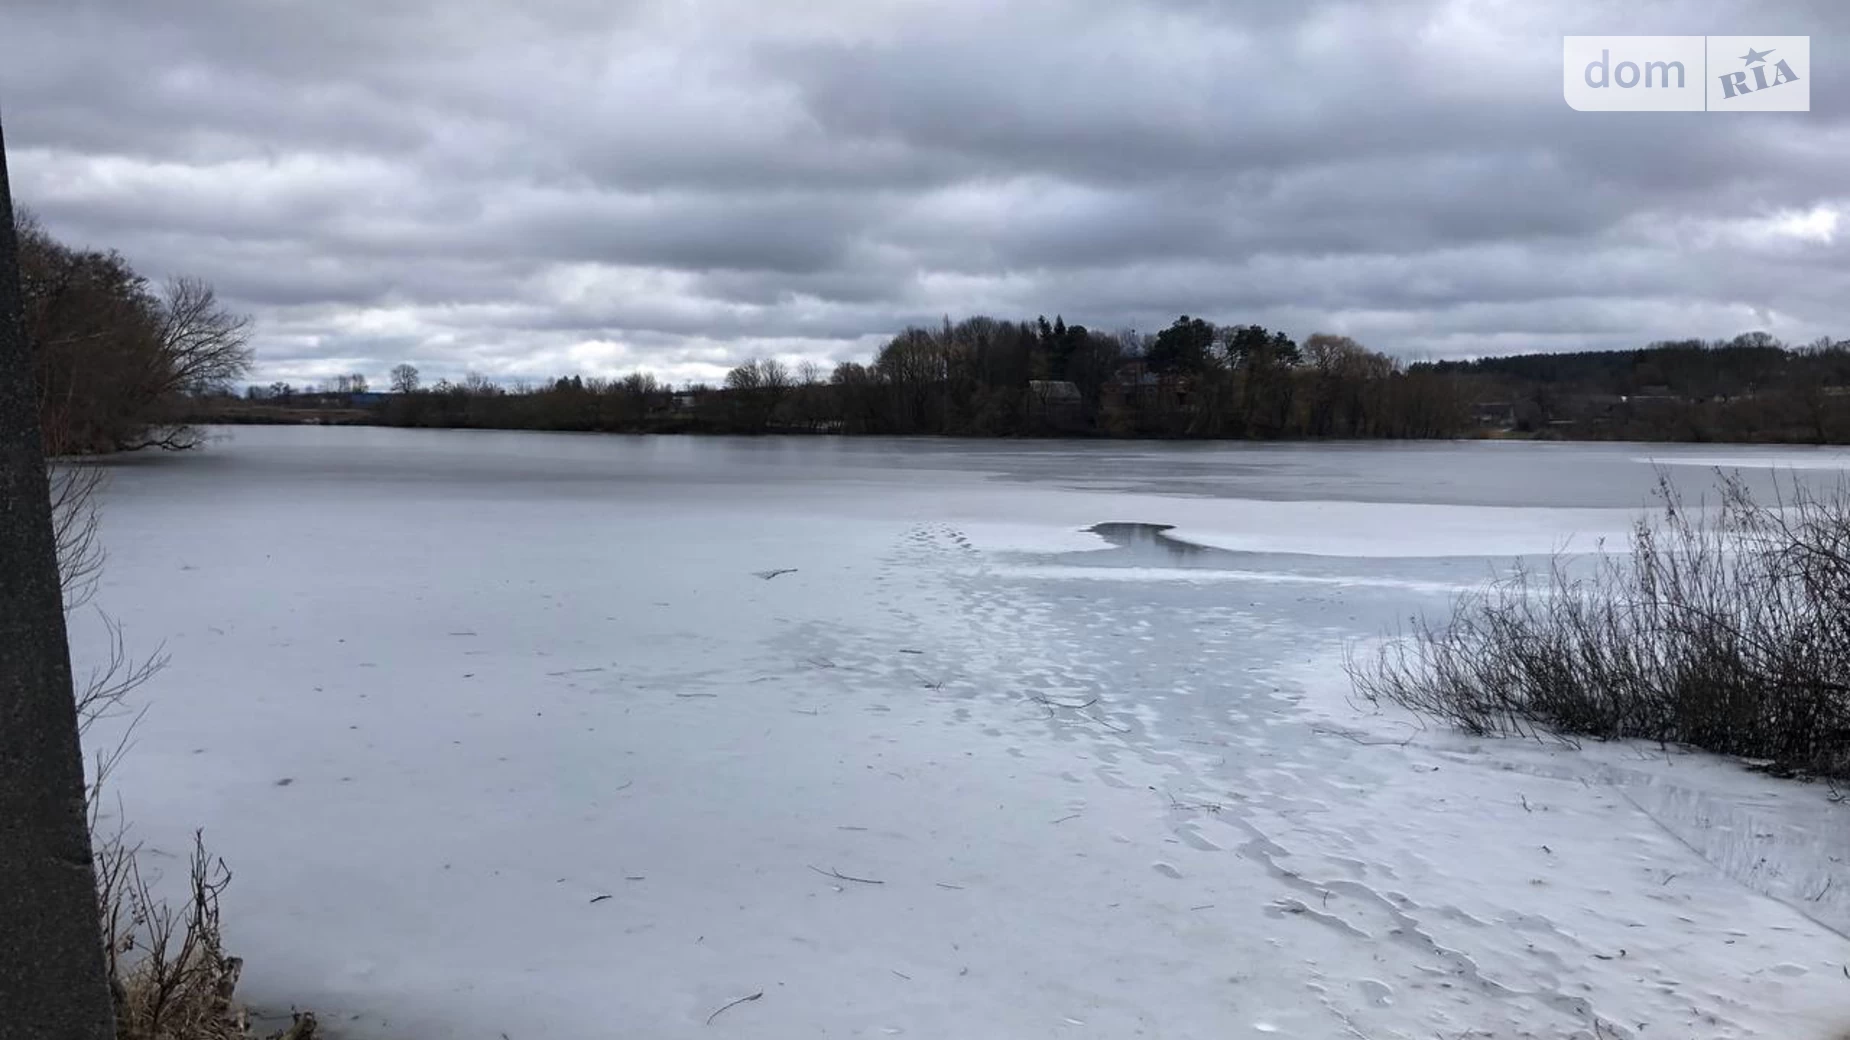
[(531, 736)]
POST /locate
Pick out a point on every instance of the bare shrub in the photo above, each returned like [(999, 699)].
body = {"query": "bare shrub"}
[(169, 975), (1727, 630)]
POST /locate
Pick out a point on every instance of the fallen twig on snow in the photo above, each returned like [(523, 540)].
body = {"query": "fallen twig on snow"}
[(1358, 739), (1110, 726), (734, 1004), (1176, 803), (844, 877), (1051, 703), (768, 575)]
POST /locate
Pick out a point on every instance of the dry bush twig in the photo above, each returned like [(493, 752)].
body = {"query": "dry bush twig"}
[(75, 526)]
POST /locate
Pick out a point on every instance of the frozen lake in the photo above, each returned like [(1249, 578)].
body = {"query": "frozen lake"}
[(527, 735)]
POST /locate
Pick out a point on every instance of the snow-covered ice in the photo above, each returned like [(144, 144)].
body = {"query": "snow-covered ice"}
[(519, 735)]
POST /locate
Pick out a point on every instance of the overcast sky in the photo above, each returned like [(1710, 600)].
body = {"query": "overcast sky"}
[(594, 186)]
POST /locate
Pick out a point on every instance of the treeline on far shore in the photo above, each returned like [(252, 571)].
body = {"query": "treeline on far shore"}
[(988, 377), (977, 377)]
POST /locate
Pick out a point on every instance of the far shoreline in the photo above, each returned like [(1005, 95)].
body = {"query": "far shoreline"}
[(263, 416)]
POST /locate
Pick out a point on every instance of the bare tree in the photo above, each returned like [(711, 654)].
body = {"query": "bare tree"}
[(205, 346), (200, 347), (758, 387), (52, 981), (404, 379)]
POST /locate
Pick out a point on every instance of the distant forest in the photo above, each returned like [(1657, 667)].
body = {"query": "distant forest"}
[(1750, 388), (985, 377)]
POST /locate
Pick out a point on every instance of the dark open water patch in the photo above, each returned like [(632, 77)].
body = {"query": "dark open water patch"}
[(1145, 544)]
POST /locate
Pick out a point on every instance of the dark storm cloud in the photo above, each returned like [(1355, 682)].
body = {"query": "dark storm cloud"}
[(573, 185)]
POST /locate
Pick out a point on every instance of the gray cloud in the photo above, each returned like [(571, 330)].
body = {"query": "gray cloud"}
[(571, 185)]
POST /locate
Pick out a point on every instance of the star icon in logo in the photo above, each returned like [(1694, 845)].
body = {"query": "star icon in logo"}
[(1754, 57)]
